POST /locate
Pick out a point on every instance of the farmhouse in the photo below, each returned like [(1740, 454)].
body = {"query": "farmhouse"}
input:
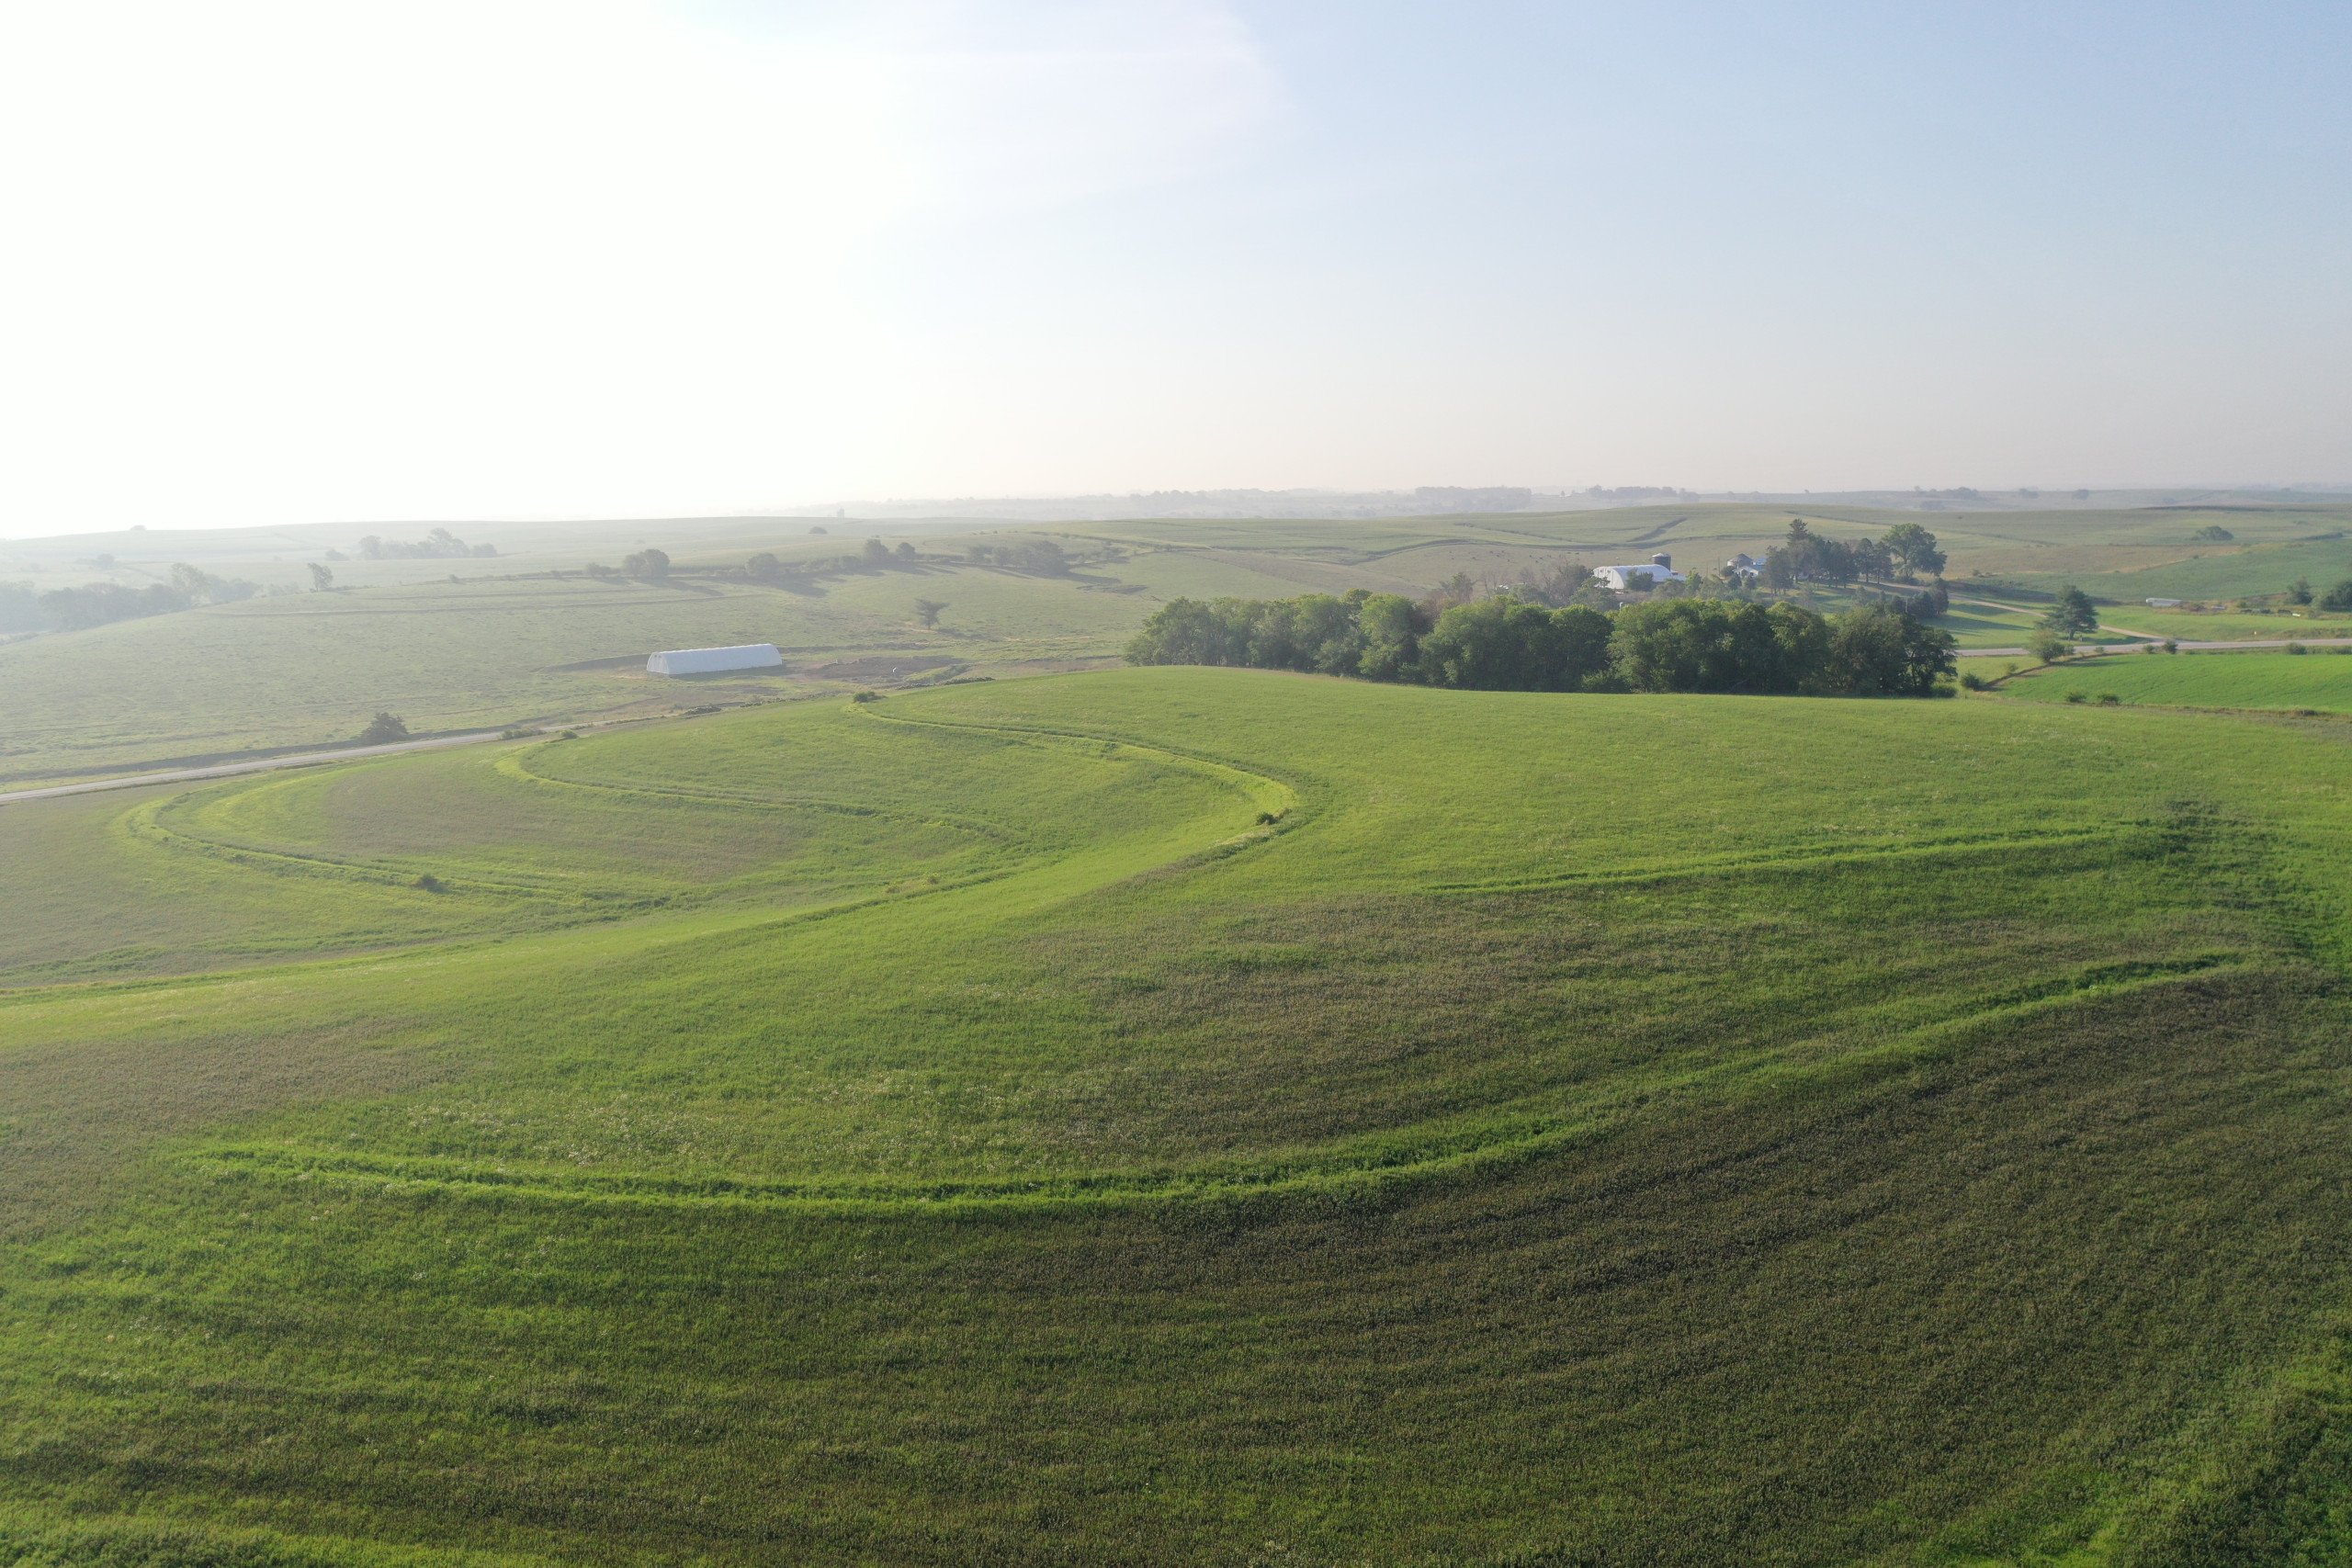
[(705, 660), (2162, 604), (1621, 579)]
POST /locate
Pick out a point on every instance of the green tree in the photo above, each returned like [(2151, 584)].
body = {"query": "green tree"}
[(2338, 597), (1507, 645), (321, 577), (875, 552), (1914, 549), (2299, 591), (764, 566), (1391, 628), (1875, 651), (2047, 646), (927, 610), (2073, 615), (383, 729), (650, 564)]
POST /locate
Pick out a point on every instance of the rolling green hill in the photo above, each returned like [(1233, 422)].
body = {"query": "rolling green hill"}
[(1192, 1116)]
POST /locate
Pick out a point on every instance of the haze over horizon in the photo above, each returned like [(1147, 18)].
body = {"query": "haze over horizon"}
[(295, 263)]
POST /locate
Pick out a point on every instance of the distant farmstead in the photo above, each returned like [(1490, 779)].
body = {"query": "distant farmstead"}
[(1657, 571), (708, 661)]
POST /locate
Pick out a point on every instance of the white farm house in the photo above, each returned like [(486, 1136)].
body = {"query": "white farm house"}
[(705, 660)]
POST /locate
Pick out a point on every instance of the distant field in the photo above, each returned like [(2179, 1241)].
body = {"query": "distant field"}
[(2316, 681), (491, 648), (2224, 626), (1192, 1117), (309, 670)]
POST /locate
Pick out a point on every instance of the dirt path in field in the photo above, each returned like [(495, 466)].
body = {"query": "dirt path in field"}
[(258, 765)]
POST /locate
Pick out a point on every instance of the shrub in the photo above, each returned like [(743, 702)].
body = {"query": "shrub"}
[(866, 698), (2171, 646), (2077, 697), (432, 884), (1972, 682), (2047, 646), (2108, 700), (2297, 647), (383, 729)]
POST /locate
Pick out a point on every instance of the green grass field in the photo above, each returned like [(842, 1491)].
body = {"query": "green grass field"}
[(2317, 682), (2225, 627), (1193, 1117)]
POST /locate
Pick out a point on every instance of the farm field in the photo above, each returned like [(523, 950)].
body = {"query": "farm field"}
[(2320, 682), (1193, 1117), (489, 643), (2222, 626)]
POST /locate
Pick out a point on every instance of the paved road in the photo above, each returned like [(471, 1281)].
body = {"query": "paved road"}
[(259, 765)]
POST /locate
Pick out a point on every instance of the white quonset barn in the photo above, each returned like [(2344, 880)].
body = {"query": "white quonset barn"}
[(705, 661)]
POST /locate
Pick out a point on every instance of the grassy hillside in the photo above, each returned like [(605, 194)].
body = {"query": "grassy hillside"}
[(1190, 1116), (2318, 682)]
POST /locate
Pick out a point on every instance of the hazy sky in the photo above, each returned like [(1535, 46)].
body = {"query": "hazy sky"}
[(320, 258)]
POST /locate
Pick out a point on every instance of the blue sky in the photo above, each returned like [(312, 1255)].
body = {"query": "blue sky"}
[(528, 257)]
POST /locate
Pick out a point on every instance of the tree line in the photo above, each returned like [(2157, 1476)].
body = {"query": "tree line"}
[(1507, 644), (439, 544), (1906, 550), (22, 609)]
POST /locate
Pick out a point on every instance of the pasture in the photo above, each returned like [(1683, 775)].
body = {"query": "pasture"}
[(2320, 681), (1192, 1116)]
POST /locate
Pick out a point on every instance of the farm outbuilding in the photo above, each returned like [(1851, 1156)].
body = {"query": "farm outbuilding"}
[(1623, 578), (708, 661)]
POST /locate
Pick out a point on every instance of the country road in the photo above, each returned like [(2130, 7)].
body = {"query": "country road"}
[(258, 765), (2089, 647)]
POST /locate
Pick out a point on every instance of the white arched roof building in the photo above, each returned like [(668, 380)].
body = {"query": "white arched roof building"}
[(708, 661)]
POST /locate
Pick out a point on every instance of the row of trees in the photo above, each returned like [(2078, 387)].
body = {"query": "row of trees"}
[(1040, 555), (22, 609), (1508, 644), (2339, 598), (439, 544), (1905, 550)]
